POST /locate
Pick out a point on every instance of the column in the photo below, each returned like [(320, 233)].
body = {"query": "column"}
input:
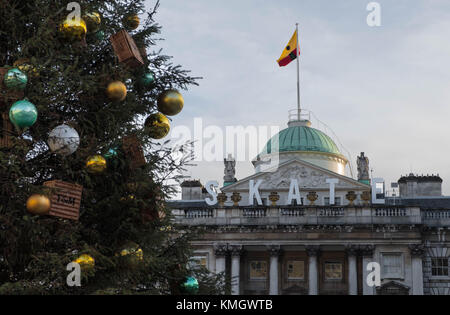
[(367, 253), (220, 251), (236, 252), (313, 273), (417, 251), (275, 251), (352, 270)]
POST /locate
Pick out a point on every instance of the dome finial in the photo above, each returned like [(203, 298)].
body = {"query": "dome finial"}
[(299, 117)]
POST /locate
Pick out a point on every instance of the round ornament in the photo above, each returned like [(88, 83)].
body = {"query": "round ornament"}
[(170, 102), (93, 21), (100, 35), (85, 261), (63, 140), (148, 79), (132, 21), (116, 91), (15, 79), (157, 126), (38, 204), (73, 29), (96, 164), (134, 252), (25, 66), (23, 114), (111, 154), (190, 285)]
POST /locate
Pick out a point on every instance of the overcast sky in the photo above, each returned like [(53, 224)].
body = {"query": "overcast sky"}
[(383, 90)]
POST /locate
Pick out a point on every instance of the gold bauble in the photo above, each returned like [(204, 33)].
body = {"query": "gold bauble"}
[(73, 29), (85, 261), (38, 204), (117, 91), (157, 126), (93, 21), (96, 164), (134, 251), (170, 102), (25, 66), (132, 21)]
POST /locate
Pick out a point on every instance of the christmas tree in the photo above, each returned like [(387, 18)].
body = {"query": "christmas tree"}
[(82, 178)]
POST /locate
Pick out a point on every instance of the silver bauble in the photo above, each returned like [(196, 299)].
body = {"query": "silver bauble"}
[(63, 140)]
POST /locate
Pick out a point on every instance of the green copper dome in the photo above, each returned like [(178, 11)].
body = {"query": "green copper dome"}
[(301, 138)]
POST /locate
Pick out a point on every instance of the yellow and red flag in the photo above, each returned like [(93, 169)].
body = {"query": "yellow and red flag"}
[(291, 51)]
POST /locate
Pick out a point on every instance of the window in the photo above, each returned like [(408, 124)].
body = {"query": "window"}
[(258, 270), (439, 267), (199, 261), (294, 202), (392, 265), (333, 271), (263, 200), (296, 270), (337, 201)]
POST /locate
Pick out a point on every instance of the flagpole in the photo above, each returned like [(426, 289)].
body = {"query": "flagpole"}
[(298, 76)]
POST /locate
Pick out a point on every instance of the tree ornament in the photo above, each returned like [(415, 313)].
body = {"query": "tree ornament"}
[(126, 50), (147, 79), (93, 21), (25, 66), (15, 80), (85, 261), (63, 140), (100, 35), (157, 126), (116, 91), (23, 114), (96, 164), (170, 102), (133, 251), (38, 204), (132, 21), (111, 154), (65, 199), (73, 29), (190, 285)]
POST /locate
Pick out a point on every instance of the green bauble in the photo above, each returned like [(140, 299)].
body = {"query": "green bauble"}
[(100, 35), (191, 286), (148, 79), (23, 114), (15, 79), (111, 154)]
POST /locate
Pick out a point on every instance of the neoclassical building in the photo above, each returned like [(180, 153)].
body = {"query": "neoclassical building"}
[(299, 225)]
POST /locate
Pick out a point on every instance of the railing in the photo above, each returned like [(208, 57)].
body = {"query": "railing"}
[(292, 212), (198, 213), (390, 212), (310, 215), (331, 212), (254, 212), (436, 214)]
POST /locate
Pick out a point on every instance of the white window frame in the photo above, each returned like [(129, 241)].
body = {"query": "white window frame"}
[(401, 275), (335, 203), (448, 266)]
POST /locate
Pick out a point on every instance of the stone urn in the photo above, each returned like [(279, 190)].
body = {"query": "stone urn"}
[(365, 196), (351, 197), (236, 197), (274, 197), (222, 198), (312, 197)]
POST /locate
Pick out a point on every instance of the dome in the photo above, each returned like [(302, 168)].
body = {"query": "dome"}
[(301, 138)]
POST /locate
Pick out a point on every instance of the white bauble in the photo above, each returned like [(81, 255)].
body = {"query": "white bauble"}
[(63, 140)]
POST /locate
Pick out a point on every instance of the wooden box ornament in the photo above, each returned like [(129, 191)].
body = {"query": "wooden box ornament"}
[(134, 152), (6, 131), (7, 97), (126, 50), (65, 199)]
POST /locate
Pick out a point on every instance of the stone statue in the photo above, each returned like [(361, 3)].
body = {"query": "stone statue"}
[(230, 170), (363, 167)]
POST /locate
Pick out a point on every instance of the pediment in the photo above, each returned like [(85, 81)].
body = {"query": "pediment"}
[(309, 176)]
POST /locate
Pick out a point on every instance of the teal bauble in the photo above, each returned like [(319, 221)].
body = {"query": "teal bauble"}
[(100, 35), (148, 79), (190, 286), (111, 154), (15, 79), (23, 114)]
